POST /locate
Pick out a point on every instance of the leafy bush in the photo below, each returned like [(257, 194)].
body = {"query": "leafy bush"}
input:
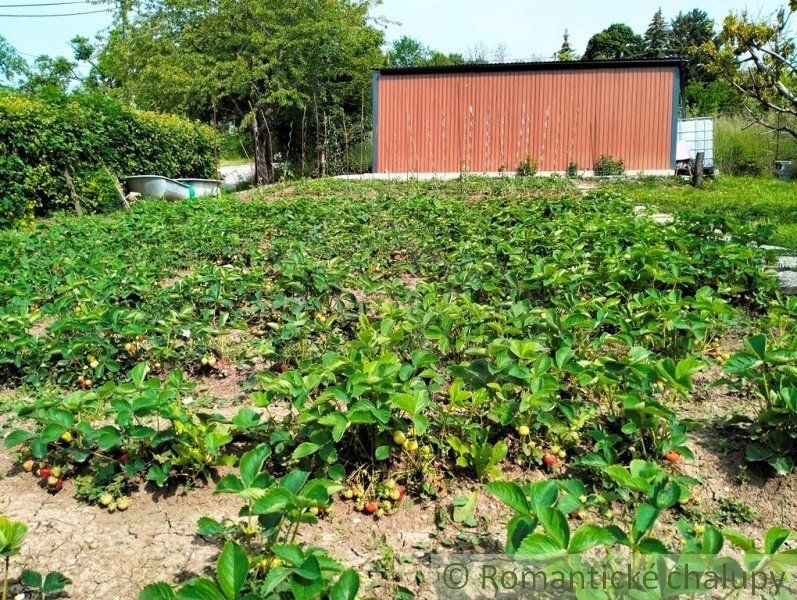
[(43, 136), (527, 167), (572, 169), (608, 166)]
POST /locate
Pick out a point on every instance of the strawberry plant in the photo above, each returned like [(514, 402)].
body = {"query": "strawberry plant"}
[(69, 434), (44, 586), (293, 573), (479, 455), (405, 338), (261, 557), (769, 374), (12, 536)]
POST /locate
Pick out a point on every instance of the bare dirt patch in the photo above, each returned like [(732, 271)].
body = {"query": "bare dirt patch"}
[(111, 556), (585, 185), (410, 280), (224, 383), (726, 477), (719, 448), (178, 277)]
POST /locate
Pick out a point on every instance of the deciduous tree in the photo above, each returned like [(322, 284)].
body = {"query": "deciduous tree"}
[(616, 42), (759, 59), (266, 64), (409, 52), (12, 65)]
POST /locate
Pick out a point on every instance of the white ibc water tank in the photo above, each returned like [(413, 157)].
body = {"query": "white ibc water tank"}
[(699, 135)]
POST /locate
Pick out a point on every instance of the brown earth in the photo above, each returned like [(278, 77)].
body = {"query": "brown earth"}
[(112, 556)]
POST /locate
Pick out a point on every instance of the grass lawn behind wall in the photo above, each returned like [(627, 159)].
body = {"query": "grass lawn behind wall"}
[(772, 203)]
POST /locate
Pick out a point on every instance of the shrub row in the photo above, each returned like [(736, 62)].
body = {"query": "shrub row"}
[(43, 136)]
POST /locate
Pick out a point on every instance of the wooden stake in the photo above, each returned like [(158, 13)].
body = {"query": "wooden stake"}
[(71, 185), (119, 188), (697, 176)]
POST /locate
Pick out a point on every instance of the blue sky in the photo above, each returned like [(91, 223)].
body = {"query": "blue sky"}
[(526, 28)]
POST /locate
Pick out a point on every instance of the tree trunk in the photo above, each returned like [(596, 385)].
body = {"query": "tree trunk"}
[(119, 187), (261, 142), (697, 175), (75, 199)]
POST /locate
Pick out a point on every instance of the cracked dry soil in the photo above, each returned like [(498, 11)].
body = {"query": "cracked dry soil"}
[(110, 556)]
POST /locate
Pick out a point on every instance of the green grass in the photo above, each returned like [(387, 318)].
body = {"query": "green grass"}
[(769, 203), (745, 149), (234, 162)]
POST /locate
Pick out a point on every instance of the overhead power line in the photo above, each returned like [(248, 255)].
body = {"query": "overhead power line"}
[(42, 4), (88, 12)]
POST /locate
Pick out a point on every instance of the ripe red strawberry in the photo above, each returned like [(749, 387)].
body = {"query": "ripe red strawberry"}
[(124, 458), (284, 367), (58, 485), (549, 460), (673, 456), (45, 472), (370, 507)]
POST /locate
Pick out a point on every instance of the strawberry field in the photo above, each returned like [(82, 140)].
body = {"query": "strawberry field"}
[(311, 392)]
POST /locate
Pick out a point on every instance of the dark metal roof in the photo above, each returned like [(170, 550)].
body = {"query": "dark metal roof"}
[(537, 66)]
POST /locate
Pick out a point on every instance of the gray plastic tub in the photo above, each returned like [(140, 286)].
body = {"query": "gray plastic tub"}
[(159, 187), (204, 188)]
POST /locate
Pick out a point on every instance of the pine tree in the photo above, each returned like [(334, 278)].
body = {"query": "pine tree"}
[(566, 52), (657, 37)]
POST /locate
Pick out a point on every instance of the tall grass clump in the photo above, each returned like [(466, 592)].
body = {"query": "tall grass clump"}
[(744, 149)]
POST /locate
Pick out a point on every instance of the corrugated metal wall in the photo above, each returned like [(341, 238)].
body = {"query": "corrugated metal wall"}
[(481, 121)]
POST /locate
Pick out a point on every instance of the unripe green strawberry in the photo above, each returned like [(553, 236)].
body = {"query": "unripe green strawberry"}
[(123, 503), (28, 465), (105, 500)]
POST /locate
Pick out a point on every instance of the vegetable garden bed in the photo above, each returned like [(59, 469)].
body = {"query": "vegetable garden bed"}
[(372, 373)]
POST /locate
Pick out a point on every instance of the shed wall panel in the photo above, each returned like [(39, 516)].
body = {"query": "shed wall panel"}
[(483, 122)]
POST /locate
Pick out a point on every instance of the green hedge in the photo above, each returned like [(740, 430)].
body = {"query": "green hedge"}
[(41, 136)]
